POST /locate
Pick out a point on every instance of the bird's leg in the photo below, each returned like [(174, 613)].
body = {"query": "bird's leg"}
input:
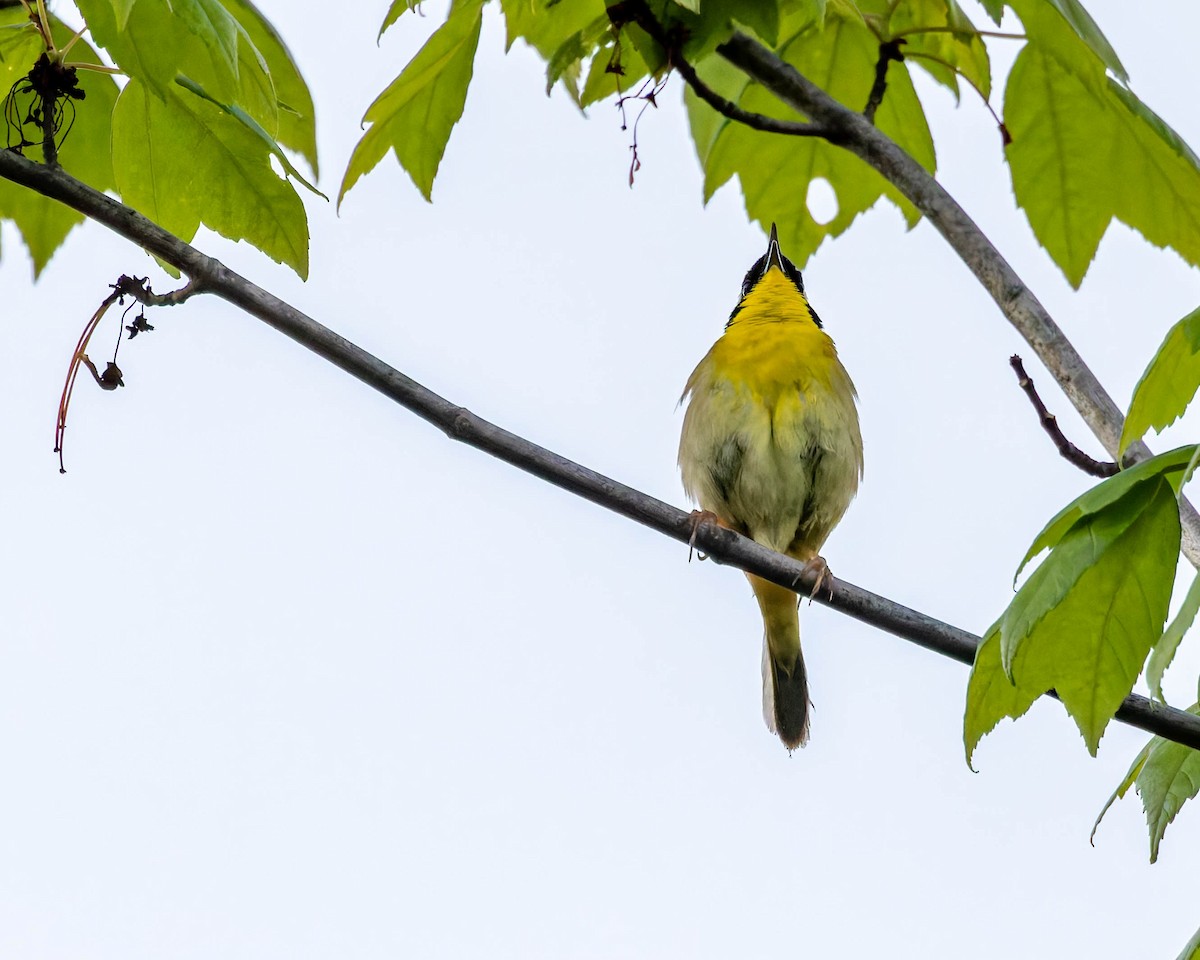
[(698, 517), (820, 568)]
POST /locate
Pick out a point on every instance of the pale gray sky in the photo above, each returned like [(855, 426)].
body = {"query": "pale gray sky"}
[(287, 674)]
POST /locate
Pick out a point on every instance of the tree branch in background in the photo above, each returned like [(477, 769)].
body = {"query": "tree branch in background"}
[(1097, 468), (1015, 300), (723, 546), (888, 52), (636, 11)]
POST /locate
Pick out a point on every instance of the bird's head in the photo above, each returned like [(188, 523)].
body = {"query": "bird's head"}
[(775, 271)]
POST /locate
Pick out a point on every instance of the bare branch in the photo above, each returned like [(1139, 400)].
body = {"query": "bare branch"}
[(889, 51), (636, 11), (723, 546), (1015, 300), (1097, 468)]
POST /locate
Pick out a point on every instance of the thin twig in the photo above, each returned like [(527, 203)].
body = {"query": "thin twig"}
[(997, 34), (1096, 468), (636, 11), (889, 52), (1005, 136), (139, 289), (49, 131), (723, 546)]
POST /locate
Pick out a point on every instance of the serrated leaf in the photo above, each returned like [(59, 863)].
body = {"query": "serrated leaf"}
[(1056, 25), (297, 127), (1164, 650), (161, 39), (775, 171), (581, 45), (716, 20), (1167, 775), (1168, 384), (1169, 779), (252, 125), (1085, 150), (1173, 465), (44, 223), (991, 695), (1086, 619), (394, 11), (1128, 781), (994, 9), (413, 117), (183, 161), (546, 24), (943, 55), (1058, 181), (719, 75)]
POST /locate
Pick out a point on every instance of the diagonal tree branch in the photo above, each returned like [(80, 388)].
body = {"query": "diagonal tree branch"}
[(1016, 301), (724, 546)]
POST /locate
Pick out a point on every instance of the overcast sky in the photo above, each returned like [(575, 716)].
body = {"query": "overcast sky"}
[(287, 674)]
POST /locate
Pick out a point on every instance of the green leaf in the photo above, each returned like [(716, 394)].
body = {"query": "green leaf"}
[(84, 153), (1086, 619), (941, 54), (251, 124), (1169, 383), (297, 128), (1130, 778), (616, 69), (1164, 650), (547, 24), (157, 40), (578, 47), (20, 46), (991, 695), (718, 19), (1192, 950), (1060, 110), (1173, 465), (706, 124), (1057, 25), (394, 11), (994, 9), (1167, 775), (414, 116), (163, 148), (775, 171), (1170, 778)]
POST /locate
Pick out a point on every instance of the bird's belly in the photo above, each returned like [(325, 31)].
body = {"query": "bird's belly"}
[(783, 470)]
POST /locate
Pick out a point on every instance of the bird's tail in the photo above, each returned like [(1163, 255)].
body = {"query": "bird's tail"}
[(785, 683)]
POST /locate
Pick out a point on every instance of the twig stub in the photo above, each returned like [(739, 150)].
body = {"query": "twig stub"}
[(1096, 468)]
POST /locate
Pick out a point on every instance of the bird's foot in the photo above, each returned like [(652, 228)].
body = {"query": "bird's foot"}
[(824, 577), (698, 517)]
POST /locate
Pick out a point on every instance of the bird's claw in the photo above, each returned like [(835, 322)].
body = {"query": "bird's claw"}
[(698, 517), (824, 577)]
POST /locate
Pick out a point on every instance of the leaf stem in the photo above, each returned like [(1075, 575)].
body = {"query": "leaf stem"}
[(916, 31)]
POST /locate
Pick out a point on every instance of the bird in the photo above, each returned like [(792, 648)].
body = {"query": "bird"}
[(771, 447)]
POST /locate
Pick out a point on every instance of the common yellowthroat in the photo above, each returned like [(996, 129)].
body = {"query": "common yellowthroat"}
[(771, 446)]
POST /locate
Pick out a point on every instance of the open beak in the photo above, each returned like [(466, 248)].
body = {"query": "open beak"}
[(774, 257)]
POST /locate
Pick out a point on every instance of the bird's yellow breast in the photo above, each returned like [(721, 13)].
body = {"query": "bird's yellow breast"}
[(773, 347)]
